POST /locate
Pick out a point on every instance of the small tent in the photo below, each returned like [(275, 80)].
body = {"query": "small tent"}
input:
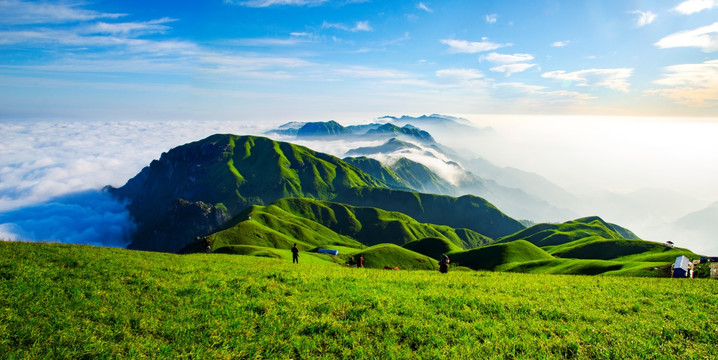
[(328, 251), (680, 267)]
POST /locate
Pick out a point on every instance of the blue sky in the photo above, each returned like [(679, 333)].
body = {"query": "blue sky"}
[(314, 59)]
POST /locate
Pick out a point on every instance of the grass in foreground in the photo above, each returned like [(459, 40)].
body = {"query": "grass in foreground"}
[(62, 301)]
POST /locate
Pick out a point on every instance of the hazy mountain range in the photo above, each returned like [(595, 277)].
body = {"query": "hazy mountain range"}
[(521, 194)]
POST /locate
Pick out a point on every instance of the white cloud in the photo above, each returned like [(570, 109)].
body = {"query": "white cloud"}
[(359, 26), (51, 173), (268, 3), (129, 28), (510, 64), (364, 72), (459, 75), (693, 6), (491, 19), (521, 87), (705, 38), (42, 160), (560, 43), (506, 58), (424, 7), (362, 26), (15, 12), (58, 38), (471, 47), (616, 79), (252, 66), (690, 84), (644, 17), (509, 69)]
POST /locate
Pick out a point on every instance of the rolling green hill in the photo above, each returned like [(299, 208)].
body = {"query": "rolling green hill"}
[(589, 267), (315, 222), (491, 256), (544, 235), (390, 255), (469, 212), (432, 247), (606, 249)]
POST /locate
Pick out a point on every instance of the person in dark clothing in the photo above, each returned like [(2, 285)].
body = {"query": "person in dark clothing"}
[(444, 264), (206, 245), (295, 254)]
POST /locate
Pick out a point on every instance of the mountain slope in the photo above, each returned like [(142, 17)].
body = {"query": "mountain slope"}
[(556, 234), (491, 256), (315, 223), (432, 247), (379, 171), (470, 212), (194, 188)]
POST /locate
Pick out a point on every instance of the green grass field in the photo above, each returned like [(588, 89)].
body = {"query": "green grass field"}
[(80, 302)]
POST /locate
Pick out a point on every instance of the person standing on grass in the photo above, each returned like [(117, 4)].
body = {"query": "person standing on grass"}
[(444, 264), (206, 244), (295, 254), (361, 261)]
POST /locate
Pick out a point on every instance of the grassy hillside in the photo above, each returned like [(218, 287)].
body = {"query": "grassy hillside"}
[(379, 171), (224, 174), (556, 234), (469, 212), (62, 301), (421, 178), (432, 247), (390, 255), (606, 249), (492, 256), (315, 222), (590, 267)]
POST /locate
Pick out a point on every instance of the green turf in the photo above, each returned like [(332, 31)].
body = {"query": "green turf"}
[(80, 302)]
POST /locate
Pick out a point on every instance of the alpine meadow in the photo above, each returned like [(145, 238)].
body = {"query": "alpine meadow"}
[(358, 179)]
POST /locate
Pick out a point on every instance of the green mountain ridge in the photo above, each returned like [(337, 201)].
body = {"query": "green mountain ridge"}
[(556, 234), (192, 190), (224, 174), (311, 223)]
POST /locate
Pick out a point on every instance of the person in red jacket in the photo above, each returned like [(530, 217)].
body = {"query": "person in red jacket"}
[(444, 264)]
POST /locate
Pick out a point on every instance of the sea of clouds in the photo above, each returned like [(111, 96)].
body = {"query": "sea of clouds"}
[(52, 174)]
